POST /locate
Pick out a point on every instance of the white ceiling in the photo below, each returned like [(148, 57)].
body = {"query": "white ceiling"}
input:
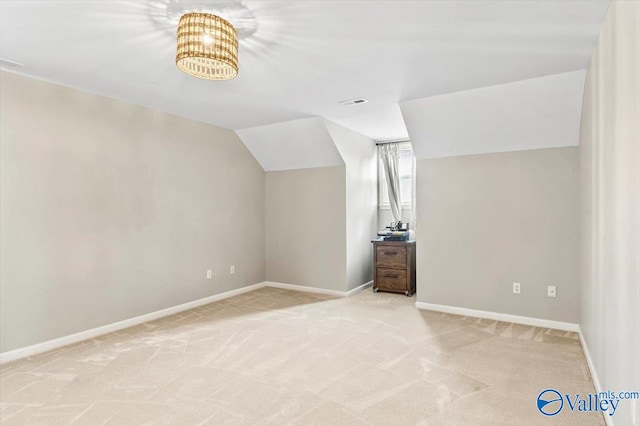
[(299, 58), (538, 113)]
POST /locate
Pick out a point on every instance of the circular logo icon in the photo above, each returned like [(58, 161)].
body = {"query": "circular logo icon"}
[(550, 402)]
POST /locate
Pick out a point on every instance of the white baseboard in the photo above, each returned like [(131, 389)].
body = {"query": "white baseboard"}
[(304, 288), (536, 322), (109, 328), (594, 375), (316, 290), (359, 289)]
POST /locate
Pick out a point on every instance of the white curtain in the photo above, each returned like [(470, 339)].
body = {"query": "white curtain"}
[(413, 217), (389, 158)]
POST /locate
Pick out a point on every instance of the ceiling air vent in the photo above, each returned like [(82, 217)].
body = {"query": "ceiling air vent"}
[(354, 101), (5, 63)]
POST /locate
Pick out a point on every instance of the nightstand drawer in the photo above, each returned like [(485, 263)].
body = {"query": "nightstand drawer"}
[(392, 256), (392, 279)]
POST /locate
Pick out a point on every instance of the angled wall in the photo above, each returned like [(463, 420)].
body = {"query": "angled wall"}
[(305, 203), (320, 206), (359, 154), (290, 145), (497, 185), (530, 114), (610, 178)]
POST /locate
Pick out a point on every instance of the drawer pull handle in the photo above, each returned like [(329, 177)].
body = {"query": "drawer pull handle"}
[(390, 276), (390, 253)]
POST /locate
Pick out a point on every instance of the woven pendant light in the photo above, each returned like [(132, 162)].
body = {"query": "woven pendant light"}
[(207, 47)]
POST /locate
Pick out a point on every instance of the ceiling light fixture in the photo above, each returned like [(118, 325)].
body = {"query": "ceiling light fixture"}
[(207, 47)]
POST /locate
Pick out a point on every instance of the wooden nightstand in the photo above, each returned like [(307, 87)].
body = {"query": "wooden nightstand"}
[(394, 266)]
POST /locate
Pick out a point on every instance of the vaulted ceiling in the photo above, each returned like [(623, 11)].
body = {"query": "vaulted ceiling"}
[(298, 59)]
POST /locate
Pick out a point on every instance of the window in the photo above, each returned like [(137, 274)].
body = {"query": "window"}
[(405, 166)]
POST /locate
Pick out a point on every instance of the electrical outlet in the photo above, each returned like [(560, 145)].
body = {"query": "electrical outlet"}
[(551, 291), (232, 269), (516, 288), (209, 274)]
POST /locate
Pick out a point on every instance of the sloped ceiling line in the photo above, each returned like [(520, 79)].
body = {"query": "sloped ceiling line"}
[(296, 144), (537, 113)]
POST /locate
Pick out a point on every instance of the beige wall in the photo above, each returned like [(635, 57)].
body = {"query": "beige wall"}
[(359, 155), (306, 227), (610, 172), (109, 211), (486, 221)]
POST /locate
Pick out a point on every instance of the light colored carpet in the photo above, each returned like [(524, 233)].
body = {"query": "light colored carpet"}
[(276, 357)]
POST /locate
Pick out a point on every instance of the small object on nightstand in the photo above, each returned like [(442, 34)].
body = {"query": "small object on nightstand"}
[(394, 266), (397, 231), (394, 235)]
